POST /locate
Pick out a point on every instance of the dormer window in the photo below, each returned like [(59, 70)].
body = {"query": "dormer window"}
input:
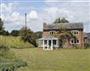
[(75, 32), (51, 33)]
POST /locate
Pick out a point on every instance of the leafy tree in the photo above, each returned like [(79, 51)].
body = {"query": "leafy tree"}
[(15, 32), (4, 32), (38, 35), (64, 35), (28, 36), (58, 20), (63, 20), (1, 25)]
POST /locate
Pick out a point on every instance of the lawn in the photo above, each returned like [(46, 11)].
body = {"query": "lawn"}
[(56, 60)]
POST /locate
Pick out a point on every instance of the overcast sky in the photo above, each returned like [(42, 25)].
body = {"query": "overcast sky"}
[(39, 11)]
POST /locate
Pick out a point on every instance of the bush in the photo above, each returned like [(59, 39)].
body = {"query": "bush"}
[(29, 39), (76, 46), (87, 45), (3, 50), (20, 63), (14, 42), (12, 65)]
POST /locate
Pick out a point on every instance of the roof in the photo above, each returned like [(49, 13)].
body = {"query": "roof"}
[(48, 38), (63, 25)]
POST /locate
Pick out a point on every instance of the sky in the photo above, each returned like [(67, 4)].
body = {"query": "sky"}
[(13, 12)]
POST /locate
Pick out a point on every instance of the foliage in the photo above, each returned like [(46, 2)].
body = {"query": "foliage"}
[(87, 45), (28, 36), (15, 32), (63, 20), (6, 33), (12, 65), (64, 34), (38, 35), (3, 51), (3, 48), (6, 53), (14, 42), (8, 60), (1, 25), (65, 37), (57, 20), (2, 31), (75, 46)]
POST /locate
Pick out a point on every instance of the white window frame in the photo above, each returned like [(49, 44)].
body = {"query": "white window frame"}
[(75, 32), (74, 41)]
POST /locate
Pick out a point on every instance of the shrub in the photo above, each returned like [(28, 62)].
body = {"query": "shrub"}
[(76, 46), (12, 65), (3, 50), (14, 42), (87, 45)]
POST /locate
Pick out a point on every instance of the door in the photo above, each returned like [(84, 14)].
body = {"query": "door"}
[(49, 43)]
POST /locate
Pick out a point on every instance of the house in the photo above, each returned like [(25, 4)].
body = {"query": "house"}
[(51, 32)]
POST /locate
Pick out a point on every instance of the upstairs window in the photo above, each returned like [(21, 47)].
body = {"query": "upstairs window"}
[(75, 32), (51, 33)]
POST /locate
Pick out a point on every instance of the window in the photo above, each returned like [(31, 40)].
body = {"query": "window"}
[(54, 42), (71, 41), (74, 32), (77, 41), (45, 41), (51, 33), (74, 41)]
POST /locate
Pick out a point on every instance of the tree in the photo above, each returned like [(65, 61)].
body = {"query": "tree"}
[(6, 33), (1, 25), (38, 34), (64, 35), (58, 20), (28, 36), (63, 20), (15, 32)]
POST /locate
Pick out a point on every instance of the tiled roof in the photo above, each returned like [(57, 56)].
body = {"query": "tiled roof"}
[(63, 25)]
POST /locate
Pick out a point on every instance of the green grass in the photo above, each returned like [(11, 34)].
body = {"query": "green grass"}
[(39, 60), (14, 42), (57, 60), (8, 59)]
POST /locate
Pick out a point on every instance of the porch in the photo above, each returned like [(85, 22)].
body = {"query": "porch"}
[(48, 43)]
